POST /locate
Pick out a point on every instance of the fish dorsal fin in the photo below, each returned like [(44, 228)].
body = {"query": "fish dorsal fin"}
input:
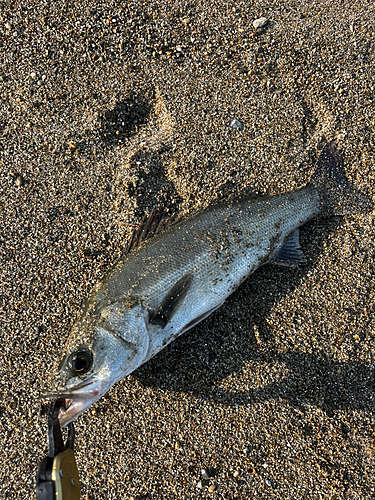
[(150, 225), (171, 301), (290, 254)]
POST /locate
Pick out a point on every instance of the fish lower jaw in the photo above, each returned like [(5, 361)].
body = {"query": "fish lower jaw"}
[(68, 402), (73, 408)]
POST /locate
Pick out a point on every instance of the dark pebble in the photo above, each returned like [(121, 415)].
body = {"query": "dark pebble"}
[(208, 472)]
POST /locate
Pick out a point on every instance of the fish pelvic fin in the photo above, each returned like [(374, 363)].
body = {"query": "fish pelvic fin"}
[(337, 195)]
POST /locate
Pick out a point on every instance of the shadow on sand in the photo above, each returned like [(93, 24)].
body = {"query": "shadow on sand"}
[(221, 346)]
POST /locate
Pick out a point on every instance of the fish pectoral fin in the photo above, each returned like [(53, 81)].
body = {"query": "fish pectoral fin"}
[(290, 254), (171, 302)]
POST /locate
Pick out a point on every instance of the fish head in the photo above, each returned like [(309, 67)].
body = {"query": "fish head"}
[(95, 358)]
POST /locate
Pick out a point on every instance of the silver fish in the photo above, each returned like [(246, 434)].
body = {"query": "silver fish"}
[(174, 280)]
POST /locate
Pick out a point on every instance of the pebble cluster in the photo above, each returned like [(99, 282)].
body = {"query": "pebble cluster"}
[(108, 109)]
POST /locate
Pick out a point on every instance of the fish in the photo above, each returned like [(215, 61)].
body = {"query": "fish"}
[(178, 277)]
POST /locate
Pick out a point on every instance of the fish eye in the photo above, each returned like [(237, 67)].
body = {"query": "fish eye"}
[(80, 361)]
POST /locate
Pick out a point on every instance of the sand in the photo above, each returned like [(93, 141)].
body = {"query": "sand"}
[(109, 109)]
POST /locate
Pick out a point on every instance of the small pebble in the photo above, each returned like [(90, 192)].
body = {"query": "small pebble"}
[(199, 485), (212, 488), (260, 23), (8, 26), (236, 473), (268, 482), (235, 124), (19, 181)]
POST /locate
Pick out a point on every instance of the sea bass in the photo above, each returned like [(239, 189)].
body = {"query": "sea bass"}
[(177, 278)]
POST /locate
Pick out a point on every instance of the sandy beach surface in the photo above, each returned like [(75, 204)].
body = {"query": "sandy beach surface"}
[(108, 109)]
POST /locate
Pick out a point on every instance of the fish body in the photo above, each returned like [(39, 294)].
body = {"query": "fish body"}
[(205, 257), (176, 279)]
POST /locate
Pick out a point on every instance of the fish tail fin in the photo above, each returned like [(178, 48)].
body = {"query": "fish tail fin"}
[(337, 194)]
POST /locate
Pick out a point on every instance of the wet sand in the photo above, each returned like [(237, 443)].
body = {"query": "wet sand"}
[(110, 110)]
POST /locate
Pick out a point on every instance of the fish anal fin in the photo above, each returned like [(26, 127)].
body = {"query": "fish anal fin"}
[(171, 302), (290, 254)]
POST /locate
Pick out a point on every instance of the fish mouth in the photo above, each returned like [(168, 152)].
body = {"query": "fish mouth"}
[(77, 399)]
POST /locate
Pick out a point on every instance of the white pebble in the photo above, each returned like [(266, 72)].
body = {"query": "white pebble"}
[(260, 23)]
